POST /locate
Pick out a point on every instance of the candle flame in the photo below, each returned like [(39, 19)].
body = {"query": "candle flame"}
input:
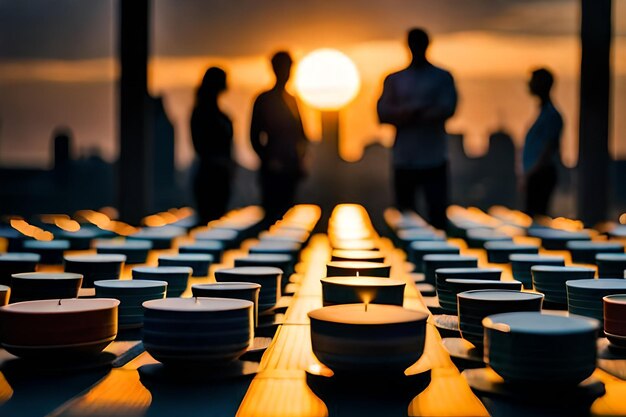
[(357, 273)]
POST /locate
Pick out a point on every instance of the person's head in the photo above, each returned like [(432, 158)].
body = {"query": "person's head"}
[(213, 83), (281, 64), (418, 43), (540, 83)]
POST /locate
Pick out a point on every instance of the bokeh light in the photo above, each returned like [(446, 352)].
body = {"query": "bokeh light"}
[(327, 79)]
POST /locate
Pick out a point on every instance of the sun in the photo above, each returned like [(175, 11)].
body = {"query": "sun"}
[(327, 79)]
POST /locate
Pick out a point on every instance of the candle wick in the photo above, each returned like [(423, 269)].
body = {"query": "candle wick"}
[(59, 301), (196, 299), (366, 307)]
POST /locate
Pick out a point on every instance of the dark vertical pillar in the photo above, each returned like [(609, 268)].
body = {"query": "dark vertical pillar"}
[(595, 74), (135, 161), (330, 133)]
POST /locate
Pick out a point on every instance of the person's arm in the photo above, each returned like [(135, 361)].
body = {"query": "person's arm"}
[(198, 134), (444, 105), (256, 128), (552, 130), (388, 108)]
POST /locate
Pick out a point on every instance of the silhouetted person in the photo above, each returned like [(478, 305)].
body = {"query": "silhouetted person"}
[(417, 101), (62, 143), (278, 138), (541, 147), (212, 136)]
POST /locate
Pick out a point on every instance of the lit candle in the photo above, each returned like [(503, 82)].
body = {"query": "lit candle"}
[(350, 290), (64, 327), (383, 338)]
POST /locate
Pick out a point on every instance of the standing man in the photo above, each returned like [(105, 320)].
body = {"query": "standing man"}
[(417, 101), (541, 147), (278, 138)]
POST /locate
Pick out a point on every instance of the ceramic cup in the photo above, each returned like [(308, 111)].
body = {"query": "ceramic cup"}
[(51, 251), (177, 277), (197, 332), (131, 294), (611, 265), (521, 265), (95, 267), (615, 319), (475, 305), (198, 262), (136, 251), (584, 296), (584, 252), (447, 299), (433, 262), (535, 348), (31, 286), (550, 280), (269, 278), (417, 251), (498, 252), (239, 290), (15, 263)]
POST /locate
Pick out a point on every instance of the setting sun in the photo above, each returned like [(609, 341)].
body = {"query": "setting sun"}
[(327, 79)]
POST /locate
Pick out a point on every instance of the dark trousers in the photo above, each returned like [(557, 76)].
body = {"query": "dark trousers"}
[(433, 182), (539, 188), (278, 193), (211, 188)]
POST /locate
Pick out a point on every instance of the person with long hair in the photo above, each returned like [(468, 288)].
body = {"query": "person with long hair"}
[(212, 136)]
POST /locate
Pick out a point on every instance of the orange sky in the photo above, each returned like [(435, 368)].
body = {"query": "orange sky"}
[(490, 69)]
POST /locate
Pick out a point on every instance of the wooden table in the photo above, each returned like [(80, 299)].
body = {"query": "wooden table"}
[(280, 387)]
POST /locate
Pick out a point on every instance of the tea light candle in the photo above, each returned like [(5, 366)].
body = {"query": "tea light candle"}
[(131, 294), (215, 248), (357, 255), (197, 331), (269, 278), (355, 244), (52, 328), (14, 263), (348, 290), (383, 339), (355, 268), (228, 237), (51, 251), (198, 262), (161, 237), (30, 286), (136, 251), (238, 290), (95, 267)]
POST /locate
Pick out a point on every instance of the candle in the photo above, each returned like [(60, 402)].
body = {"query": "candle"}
[(136, 251), (197, 331), (177, 277), (350, 290), (42, 286), (238, 290), (14, 262), (198, 262), (64, 327), (269, 278), (357, 255), (131, 294), (95, 267), (352, 268), (383, 338)]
